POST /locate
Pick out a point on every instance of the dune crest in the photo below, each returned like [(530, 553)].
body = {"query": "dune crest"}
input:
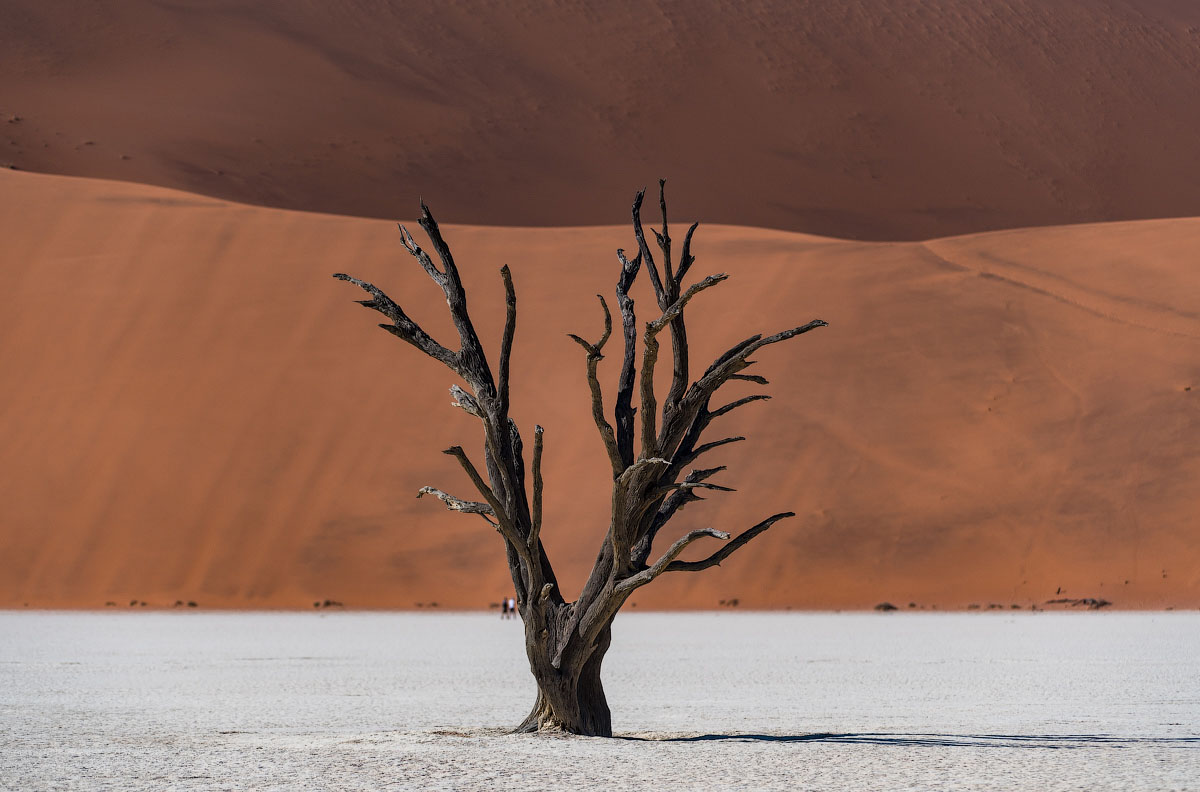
[(864, 119)]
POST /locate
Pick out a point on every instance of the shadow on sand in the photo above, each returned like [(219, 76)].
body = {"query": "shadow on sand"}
[(945, 740)]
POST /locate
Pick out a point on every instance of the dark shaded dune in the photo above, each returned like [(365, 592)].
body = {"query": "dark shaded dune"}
[(865, 119), (193, 410)]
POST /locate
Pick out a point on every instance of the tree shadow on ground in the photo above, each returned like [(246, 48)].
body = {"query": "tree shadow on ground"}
[(1052, 741)]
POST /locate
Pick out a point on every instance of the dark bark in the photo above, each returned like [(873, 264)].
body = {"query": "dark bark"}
[(566, 641), (571, 698)]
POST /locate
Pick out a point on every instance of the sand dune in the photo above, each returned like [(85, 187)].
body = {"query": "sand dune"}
[(859, 118), (193, 409)]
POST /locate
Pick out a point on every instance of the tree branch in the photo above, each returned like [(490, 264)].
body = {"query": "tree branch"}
[(701, 475), (674, 282), (502, 516), (464, 401), (439, 244), (717, 413), (535, 529), (402, 326), (734, 360), (645, 254), (667, 509), (594, 356), (631, 497), (475, 368), (675, 310), (726, 551), (421, 256), (694, 454), (650, 440), (663, 564), (506, 340), (688, 419), (686, 259), (623, 406), (497, 455), (687, 486), (664, 241), (458, 504), (649, 404)]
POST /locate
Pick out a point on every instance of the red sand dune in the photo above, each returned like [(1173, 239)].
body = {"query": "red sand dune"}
[(192, 409), (868, 119)]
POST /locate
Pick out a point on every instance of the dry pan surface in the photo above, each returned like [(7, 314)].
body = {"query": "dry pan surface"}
[(718, 701)]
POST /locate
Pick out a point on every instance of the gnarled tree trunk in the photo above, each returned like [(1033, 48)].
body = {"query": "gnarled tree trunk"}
[(651, 461), (570, 698)]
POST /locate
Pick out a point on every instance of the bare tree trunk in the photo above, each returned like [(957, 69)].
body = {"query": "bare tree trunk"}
[(651, 475), (570, 698)]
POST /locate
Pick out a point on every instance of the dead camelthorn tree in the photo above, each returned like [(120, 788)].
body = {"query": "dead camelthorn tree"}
[(652, 461)]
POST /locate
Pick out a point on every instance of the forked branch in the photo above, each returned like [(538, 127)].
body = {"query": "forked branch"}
[(497, 507), (729, 549), (650, 445), (668, 558), (735, 359), (471, 357), (687, 459), (402, 327), (594, 356)]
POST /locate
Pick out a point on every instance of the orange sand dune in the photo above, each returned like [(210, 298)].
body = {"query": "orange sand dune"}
[(192, 409), (868, 119)]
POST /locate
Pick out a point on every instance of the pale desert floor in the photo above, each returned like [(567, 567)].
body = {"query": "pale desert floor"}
[(702, 700)]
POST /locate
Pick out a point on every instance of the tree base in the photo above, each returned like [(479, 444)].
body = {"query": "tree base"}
[(570, 699), (587, 720)]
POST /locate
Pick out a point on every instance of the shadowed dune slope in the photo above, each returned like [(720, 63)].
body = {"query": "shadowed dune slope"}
[(193, 409), (866, 119)]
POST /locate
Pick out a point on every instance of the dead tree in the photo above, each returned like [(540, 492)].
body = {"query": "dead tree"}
[(653, 460)]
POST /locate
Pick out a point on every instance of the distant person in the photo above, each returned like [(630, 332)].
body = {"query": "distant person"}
[(504, 607), (511, 605)]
